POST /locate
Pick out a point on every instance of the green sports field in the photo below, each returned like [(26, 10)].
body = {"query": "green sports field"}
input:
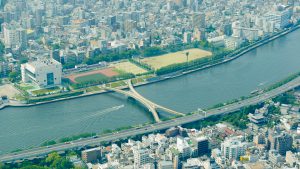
[(92, 77)]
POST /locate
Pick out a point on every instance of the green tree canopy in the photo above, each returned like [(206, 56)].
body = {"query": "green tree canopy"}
[(14, 76)]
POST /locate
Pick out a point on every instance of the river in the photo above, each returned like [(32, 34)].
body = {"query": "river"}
[(22, 128)]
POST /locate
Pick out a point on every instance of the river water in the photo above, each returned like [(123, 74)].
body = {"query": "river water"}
[(29, 127)]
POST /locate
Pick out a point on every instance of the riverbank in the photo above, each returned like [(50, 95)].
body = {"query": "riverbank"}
[(233, 56)]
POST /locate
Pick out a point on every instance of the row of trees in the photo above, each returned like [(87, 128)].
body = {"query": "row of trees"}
[(53, 161), (121, 76), (140, 64), (146, 52)]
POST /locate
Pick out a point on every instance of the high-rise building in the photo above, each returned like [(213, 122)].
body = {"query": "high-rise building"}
[(233, 148), (282, 142), (184, 148), (202, 145), (141, 157), (227, 29), (187, 37), (281, 18), (14, 35)]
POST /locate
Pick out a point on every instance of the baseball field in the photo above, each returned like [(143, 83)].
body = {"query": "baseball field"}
[(158, 62), (129, 67)]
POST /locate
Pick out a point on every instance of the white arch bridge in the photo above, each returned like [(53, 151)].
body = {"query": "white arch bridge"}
[(151, 106)]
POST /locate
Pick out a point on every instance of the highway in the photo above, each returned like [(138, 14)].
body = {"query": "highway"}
[(42, 151)]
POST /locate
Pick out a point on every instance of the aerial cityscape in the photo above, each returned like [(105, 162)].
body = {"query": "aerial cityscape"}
[(140, 84)]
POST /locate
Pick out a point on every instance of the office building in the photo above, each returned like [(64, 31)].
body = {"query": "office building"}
[(280, 18), (91, 155), (202, 146), (233, 148), (282, 142), (14, 35), (141, 157), (45, 72)]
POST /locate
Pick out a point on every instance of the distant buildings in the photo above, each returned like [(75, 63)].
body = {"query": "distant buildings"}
[(45, 73)]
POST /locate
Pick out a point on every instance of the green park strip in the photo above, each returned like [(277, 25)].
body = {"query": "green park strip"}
[(284, 81), (53, 97)]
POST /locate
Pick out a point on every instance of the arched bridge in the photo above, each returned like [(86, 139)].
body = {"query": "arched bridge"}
[(151, 106)]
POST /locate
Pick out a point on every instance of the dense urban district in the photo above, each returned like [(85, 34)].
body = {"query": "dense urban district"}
[(52, 50)]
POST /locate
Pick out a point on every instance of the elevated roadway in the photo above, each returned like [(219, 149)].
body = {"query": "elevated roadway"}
[(42, 151)]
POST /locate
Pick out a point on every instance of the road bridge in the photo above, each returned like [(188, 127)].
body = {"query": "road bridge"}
[(42, 151), (152, 107)]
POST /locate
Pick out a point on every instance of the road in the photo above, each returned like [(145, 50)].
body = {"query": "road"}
[(36, 152)]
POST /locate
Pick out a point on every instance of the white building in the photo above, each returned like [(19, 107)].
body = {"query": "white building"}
[(14, 35), (187, 37), (141, 157), (233, 148), (165, 165), (45, 73), (233, 43), (183, 147), (280, 18), (244, 32)]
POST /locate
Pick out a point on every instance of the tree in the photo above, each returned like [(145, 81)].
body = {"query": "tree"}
[(34, 167), (286, 98), (52, 157), (187, 56), (153, 51), (23, 60), (54, 160), (14, 77), (1, 165)]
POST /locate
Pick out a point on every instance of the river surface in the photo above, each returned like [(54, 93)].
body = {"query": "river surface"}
[(22, 128)]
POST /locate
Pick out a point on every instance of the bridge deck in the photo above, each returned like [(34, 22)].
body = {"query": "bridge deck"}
[(152, 107)]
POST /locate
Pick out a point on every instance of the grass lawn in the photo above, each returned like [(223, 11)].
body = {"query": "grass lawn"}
[(93, 89), (45, 91), (138, 80), (129, 67), (117, 84), (26, 87), (158, 62), (92, 77)]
